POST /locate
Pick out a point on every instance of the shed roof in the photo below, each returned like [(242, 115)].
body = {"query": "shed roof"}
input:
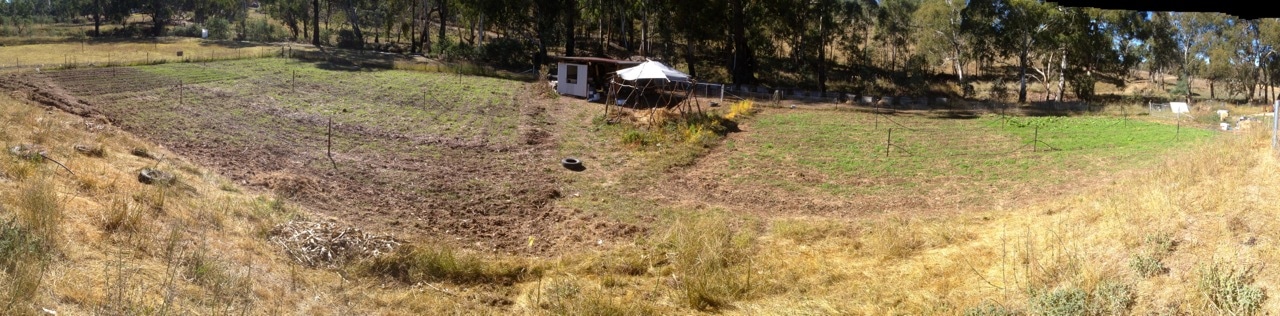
[(598, 60)]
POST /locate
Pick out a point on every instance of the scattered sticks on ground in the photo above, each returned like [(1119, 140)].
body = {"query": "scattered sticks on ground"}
[(325, 244)]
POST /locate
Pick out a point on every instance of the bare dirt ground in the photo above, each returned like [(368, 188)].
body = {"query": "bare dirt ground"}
[(481, 195)]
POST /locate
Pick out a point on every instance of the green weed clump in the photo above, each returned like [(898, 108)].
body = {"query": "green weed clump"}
[(1106, 299), (411, 264), (1150, 261), (991, 309), (1230, 291), (1063, 301)]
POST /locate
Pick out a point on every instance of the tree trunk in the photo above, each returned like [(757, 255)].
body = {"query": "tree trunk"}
[(1190, 83), (744, 59), (893, 59), (426, 27), (541, 57), (1022, 74), (354, 19), (315, 22), (644, 31), (413, 28), (1062, 76), (822, 58), (1211, 94), (158, 20), (97, 17), (600, 37), (444, 16), (571, 17), (623, 21), (689, 58)]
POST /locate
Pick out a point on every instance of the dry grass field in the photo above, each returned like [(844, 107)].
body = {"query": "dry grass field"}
[(742, 211)]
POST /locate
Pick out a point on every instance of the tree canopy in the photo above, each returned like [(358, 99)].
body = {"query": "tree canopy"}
[(826, 45)]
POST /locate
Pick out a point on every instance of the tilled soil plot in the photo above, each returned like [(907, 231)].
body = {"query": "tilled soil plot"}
[(483, 195)]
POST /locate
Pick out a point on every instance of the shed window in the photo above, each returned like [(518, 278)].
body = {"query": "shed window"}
[(571, 75)]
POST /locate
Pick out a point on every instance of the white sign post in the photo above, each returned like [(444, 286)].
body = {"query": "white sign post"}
[(1178, 108)]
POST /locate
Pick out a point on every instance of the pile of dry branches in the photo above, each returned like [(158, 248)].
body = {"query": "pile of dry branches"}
[(324, 244)]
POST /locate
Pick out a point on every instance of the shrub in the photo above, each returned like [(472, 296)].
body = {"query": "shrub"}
[(347, 39), (185, 31), (219, 28), (1150, 262), (990, 309), (507, 53), (451, 51), (1063, 301), (998, 90), (1111, 299), (1147, 265), (1106, 299), (260, 30), (326, 37), (131, 30), (636, 138), (739, 109), (1227, 290)]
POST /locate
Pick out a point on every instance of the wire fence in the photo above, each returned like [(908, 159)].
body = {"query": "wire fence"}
[(714, 91), (144, 57), (883, 136)]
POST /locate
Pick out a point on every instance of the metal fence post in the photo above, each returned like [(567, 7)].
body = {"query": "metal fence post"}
[(1035, 141), (888, 141)]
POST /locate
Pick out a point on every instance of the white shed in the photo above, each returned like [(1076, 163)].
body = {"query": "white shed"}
[(579, 76), (572, 79)]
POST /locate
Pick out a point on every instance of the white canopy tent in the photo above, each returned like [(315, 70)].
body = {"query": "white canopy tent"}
[(646, 76), (652, 70)]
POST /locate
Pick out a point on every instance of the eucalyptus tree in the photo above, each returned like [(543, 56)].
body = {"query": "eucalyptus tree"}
[(294, 14), (1192, 30), (942, 36), (1269, 40), (1160, 50), (856, 18), (894, 27), (1011, 28)]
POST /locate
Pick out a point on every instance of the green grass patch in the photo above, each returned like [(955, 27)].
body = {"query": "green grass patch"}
[(850, 153)]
